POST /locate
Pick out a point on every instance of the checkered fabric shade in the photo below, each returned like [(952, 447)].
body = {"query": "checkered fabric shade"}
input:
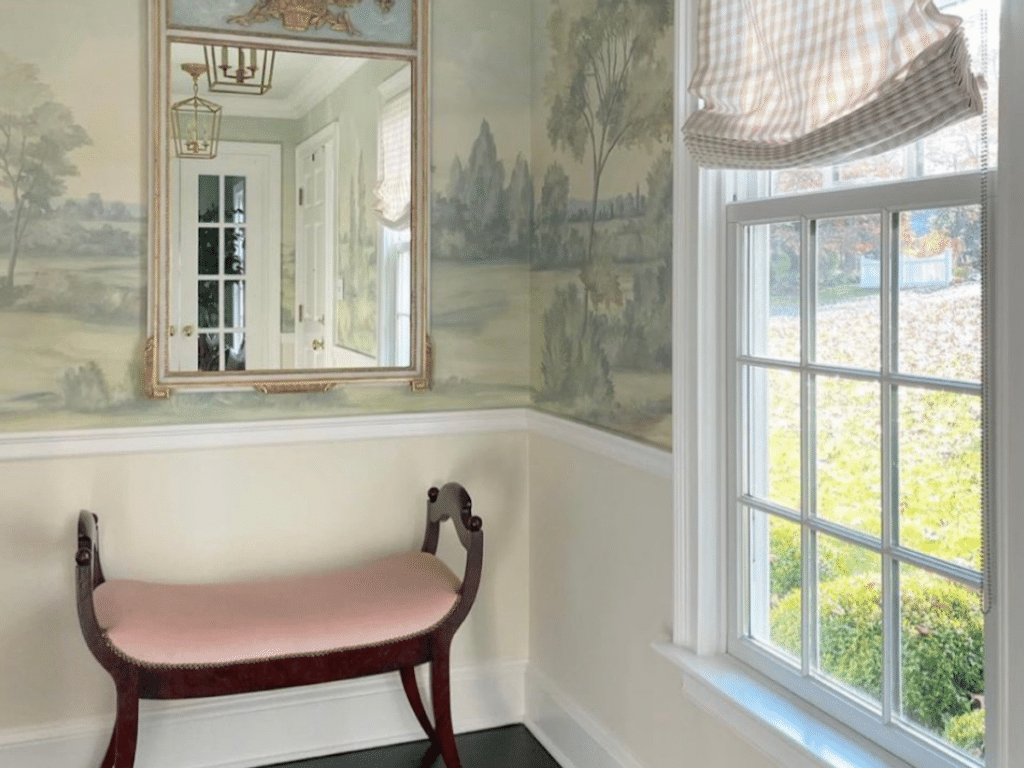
[(798, 83)]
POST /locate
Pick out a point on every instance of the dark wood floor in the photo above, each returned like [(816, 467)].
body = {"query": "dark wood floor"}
[(510, 747)]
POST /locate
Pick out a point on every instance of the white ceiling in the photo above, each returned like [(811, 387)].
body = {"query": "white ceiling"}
[(300, 81)]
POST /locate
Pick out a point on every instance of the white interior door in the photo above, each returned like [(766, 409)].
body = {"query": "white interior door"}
[(226, 256), (314, 252)]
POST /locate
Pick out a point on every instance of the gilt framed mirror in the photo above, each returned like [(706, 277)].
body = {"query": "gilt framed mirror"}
[(289, 207)]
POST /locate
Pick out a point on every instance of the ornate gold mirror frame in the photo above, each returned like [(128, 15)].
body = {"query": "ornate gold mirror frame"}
[(392, 31)]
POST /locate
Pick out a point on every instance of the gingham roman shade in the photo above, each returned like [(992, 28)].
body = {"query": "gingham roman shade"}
[(797, 83)]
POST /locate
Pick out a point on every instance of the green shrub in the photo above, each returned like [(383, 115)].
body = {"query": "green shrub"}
[(968, 732), (784, 544), (941, 639), (834, 559), (943, 649)]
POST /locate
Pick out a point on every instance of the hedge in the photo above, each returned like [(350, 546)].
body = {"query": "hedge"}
[(941, 636)]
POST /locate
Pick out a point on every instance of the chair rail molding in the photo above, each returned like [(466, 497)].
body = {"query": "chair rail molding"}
[(22, 446)]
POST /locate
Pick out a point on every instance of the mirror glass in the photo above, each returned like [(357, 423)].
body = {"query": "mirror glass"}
[(290, 251)]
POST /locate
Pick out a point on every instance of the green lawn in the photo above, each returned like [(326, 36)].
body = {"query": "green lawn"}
[(937, 462)]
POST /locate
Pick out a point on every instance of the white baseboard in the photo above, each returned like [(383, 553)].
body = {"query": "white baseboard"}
[(277, 726), (572, 736)]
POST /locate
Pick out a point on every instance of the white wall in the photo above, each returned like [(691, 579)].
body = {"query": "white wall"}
[(601, 592), (228, 513)]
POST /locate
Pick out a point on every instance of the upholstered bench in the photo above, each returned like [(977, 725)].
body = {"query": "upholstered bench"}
[(174, 641)]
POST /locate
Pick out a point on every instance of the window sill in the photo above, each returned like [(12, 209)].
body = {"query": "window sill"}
[(789, 731)]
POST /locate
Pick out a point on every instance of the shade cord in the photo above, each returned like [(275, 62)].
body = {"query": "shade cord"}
[(987, 368)]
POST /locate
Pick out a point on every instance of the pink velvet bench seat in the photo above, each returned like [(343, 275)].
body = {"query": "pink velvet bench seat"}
[(214, 624)]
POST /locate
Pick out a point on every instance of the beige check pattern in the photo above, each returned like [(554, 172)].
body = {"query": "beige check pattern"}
[(797, 83)]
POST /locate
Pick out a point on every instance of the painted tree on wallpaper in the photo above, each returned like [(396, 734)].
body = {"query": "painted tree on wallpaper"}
[(608, 90), (479, 218), (36, 135)]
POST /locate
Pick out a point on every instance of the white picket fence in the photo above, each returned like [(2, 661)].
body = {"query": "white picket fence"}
[(933, 272)]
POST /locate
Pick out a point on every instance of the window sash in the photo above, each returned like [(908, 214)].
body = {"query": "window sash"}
[(898, 736)]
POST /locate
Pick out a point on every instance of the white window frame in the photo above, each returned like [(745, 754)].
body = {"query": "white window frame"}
[(882, 200), (784, 726)]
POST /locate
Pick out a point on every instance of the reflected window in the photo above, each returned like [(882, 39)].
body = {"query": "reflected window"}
[(394, 158)]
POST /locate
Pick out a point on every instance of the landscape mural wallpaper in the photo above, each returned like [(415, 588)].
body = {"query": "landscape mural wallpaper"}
[(602, 268), (551, 220)]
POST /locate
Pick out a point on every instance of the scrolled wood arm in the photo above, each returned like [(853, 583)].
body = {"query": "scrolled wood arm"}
[(452, 502), (88, 576), (88, 553)]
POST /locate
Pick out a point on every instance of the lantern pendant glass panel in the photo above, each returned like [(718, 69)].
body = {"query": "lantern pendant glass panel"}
[(195, 123)]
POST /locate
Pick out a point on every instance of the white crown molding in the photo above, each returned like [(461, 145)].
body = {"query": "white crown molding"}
[(325, 78), (572, 736), (277, 726), (322, 79)]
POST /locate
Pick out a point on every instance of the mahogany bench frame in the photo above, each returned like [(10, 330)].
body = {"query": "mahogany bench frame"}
[(136, 681)]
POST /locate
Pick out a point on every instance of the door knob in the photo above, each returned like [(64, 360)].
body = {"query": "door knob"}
[(188, 330), (318, 344)]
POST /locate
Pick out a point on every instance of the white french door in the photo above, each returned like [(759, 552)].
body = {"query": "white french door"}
[(226, 256)]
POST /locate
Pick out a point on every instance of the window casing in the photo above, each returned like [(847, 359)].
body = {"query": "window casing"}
[(776, 721)]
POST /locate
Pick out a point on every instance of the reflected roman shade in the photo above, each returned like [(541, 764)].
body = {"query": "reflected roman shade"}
[(394, 190), (797, 83)]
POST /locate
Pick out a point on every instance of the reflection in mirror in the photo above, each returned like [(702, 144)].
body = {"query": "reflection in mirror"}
[(291, 249)]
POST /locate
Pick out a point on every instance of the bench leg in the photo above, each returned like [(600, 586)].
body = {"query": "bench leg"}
[(441, 695), (121, 752), (428, 759), (412, 693), (108, 759)]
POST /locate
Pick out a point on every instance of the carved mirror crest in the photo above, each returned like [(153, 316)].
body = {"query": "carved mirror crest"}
[(289, 195)]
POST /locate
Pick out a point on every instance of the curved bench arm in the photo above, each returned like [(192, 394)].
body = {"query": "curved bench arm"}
[(89, 546), (452, 502), (88, 576)]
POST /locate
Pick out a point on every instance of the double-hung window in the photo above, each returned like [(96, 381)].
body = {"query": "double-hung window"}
[(856, 449)]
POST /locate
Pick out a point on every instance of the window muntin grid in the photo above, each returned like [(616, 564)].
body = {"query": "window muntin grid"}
[(764, 497)]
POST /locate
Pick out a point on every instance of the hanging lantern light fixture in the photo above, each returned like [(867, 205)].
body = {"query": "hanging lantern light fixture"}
[(195, 122), (239, 70)]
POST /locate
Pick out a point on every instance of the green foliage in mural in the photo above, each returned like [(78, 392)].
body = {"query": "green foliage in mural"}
[(37, 134), (553, 219), (479, 218), (647, 318), (355, 311), (571, 370), (608, 89), (85, 388)]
